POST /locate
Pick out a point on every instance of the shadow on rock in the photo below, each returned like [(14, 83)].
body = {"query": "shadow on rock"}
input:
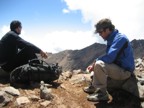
[(121, 99), (4, 79)]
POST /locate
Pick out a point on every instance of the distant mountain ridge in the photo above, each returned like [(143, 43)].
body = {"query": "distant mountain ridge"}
[(138, 48), (80, 59)]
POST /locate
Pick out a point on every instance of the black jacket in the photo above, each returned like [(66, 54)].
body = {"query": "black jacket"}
[(10, 45)]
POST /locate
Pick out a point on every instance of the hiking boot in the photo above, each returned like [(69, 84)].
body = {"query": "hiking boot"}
[(90, 89), (98, 96)]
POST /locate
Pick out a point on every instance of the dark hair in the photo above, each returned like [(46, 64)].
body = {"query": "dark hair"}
[(15, 24), (104, 24)]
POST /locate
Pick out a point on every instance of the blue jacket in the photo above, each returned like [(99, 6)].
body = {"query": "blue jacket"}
[(115, 43)]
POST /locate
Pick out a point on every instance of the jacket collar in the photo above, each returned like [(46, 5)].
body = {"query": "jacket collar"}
[(112, 35), (14, 31)]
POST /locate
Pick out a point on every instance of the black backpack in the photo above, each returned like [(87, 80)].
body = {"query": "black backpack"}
[(35, 72)]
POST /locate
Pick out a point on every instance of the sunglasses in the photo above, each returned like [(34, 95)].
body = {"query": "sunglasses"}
[(100, 32)]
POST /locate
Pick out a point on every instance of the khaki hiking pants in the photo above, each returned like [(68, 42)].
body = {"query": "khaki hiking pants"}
[(103, 70)]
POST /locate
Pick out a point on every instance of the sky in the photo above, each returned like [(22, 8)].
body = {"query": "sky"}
[(57, 25)]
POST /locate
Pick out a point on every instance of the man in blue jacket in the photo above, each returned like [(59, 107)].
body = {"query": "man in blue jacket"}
[(117, 63), (15, 51)]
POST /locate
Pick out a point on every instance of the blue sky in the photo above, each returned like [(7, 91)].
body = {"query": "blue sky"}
[(41, 13), (56, 25)]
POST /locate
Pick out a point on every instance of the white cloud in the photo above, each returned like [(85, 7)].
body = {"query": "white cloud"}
[(65, 11), (63, 40), (5, 29), (125, 14), (58, 40)]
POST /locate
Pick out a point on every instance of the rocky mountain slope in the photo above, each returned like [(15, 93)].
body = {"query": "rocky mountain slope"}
[(138, 48), (77, 59)]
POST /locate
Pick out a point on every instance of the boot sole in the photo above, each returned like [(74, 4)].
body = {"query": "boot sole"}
[(110, 98), (88, 92)]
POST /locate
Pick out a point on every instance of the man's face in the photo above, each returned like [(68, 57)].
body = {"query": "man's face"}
[(18, 30), (104, 33)]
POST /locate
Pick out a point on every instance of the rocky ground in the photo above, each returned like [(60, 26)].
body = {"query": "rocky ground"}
[(67, 92)]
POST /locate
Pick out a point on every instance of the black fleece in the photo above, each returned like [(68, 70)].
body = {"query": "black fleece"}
[(15, 51)]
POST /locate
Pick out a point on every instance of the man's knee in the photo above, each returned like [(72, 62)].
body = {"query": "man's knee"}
[(99, 63)]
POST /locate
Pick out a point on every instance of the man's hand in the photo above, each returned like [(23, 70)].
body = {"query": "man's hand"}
[(43, 54), (91, 67)]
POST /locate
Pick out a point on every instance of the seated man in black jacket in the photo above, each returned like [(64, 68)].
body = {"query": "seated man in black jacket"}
[(15, 51)]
